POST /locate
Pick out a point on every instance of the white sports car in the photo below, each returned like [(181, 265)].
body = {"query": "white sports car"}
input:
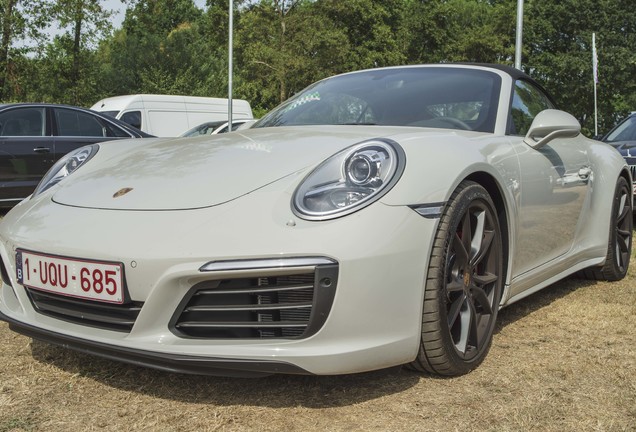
[(377, 218)]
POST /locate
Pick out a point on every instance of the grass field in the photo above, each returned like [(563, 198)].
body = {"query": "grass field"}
[(563, 359)]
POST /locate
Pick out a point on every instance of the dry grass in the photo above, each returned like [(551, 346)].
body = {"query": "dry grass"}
[(562, 360)]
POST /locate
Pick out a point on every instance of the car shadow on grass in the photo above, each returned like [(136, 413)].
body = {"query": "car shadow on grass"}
[(539, 300), (273, 391)]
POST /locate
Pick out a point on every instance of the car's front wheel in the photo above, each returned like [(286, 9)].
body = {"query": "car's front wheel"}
[(463, 286)]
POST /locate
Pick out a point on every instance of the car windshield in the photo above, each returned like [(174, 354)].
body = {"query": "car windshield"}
[(626, 131), (203, 129), (112, 114), (438, 97)]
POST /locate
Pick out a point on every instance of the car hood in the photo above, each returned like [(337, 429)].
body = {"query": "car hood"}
[(187, 173)]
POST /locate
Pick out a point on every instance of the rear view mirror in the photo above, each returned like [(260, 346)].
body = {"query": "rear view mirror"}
[(550, 124)]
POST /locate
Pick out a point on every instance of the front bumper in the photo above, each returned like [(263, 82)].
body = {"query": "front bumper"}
[(373, 320), (169, 362)]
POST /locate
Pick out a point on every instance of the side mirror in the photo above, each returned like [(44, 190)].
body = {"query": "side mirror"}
[(550, 124)]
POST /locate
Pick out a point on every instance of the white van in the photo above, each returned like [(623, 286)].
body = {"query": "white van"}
[(168, 115)]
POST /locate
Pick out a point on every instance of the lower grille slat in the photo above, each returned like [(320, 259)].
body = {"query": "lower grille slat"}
[(258, 307), (255, 290), (101, 315), (269, 325)]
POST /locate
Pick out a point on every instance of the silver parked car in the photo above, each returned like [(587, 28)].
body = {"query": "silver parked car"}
[(377, 218)]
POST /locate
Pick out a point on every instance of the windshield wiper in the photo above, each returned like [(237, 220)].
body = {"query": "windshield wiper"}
[(358, 124)]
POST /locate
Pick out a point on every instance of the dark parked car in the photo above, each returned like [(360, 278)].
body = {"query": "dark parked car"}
[(623, 138), (34, 136)]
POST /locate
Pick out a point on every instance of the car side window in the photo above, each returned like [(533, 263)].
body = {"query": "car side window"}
[(527, 102), (77, 123), (114, 131), (26, 121), (133, 118), (625, 131)]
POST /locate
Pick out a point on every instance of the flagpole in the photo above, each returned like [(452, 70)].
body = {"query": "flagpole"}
[(229, 81), (595, 79), (519, 34)]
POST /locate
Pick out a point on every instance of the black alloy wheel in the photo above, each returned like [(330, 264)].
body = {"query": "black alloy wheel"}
[(464, 285), (619, 244)]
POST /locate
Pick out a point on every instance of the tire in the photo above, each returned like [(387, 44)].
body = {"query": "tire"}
[(463, 289), (619, 243)]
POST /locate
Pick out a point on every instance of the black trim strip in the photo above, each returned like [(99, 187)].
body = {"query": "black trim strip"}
[(197, 365), (429, 211)]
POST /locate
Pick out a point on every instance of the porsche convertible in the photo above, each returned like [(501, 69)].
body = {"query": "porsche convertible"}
[(377, 218)]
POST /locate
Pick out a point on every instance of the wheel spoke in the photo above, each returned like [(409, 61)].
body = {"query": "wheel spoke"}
[(476, 242), (622, 251), (485, 279), (622, 244), (473, 335), (455, 309), (466, 237), (484, 248), (481, 299), (454, 286), (460, 251), (623, 209)]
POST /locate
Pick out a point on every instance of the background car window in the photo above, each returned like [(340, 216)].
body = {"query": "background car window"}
[(77, 123), (527, 102), (626, 131), (133, 118), (23, 122), (114, 131)]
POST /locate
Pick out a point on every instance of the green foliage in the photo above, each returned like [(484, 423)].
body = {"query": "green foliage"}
[(559, 51), (281, 46)]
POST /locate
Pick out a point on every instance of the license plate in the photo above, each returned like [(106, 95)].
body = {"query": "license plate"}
[(73, 277)]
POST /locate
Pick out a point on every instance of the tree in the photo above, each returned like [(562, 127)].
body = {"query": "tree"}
[(283, 46), (372, 30), (86, 21), (156, 50), (459, 31), (20, 19), (558, 51)]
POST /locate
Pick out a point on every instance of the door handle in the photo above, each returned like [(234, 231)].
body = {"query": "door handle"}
[(585, 172), (42, 150)]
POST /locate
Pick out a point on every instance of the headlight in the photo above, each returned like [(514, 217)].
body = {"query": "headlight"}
[(65, 167), (349, 180)]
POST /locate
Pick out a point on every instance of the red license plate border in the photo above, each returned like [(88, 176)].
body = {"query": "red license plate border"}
[(125, 294)]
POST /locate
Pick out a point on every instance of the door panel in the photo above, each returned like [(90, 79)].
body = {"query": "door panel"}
[(555, 181), (26, 153)]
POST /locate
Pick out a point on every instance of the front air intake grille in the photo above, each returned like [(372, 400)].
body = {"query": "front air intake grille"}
[(258, 307), (86, 312), (632, 168)]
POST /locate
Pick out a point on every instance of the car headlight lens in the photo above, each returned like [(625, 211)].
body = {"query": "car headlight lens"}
[(65, 167), (349, 180)]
